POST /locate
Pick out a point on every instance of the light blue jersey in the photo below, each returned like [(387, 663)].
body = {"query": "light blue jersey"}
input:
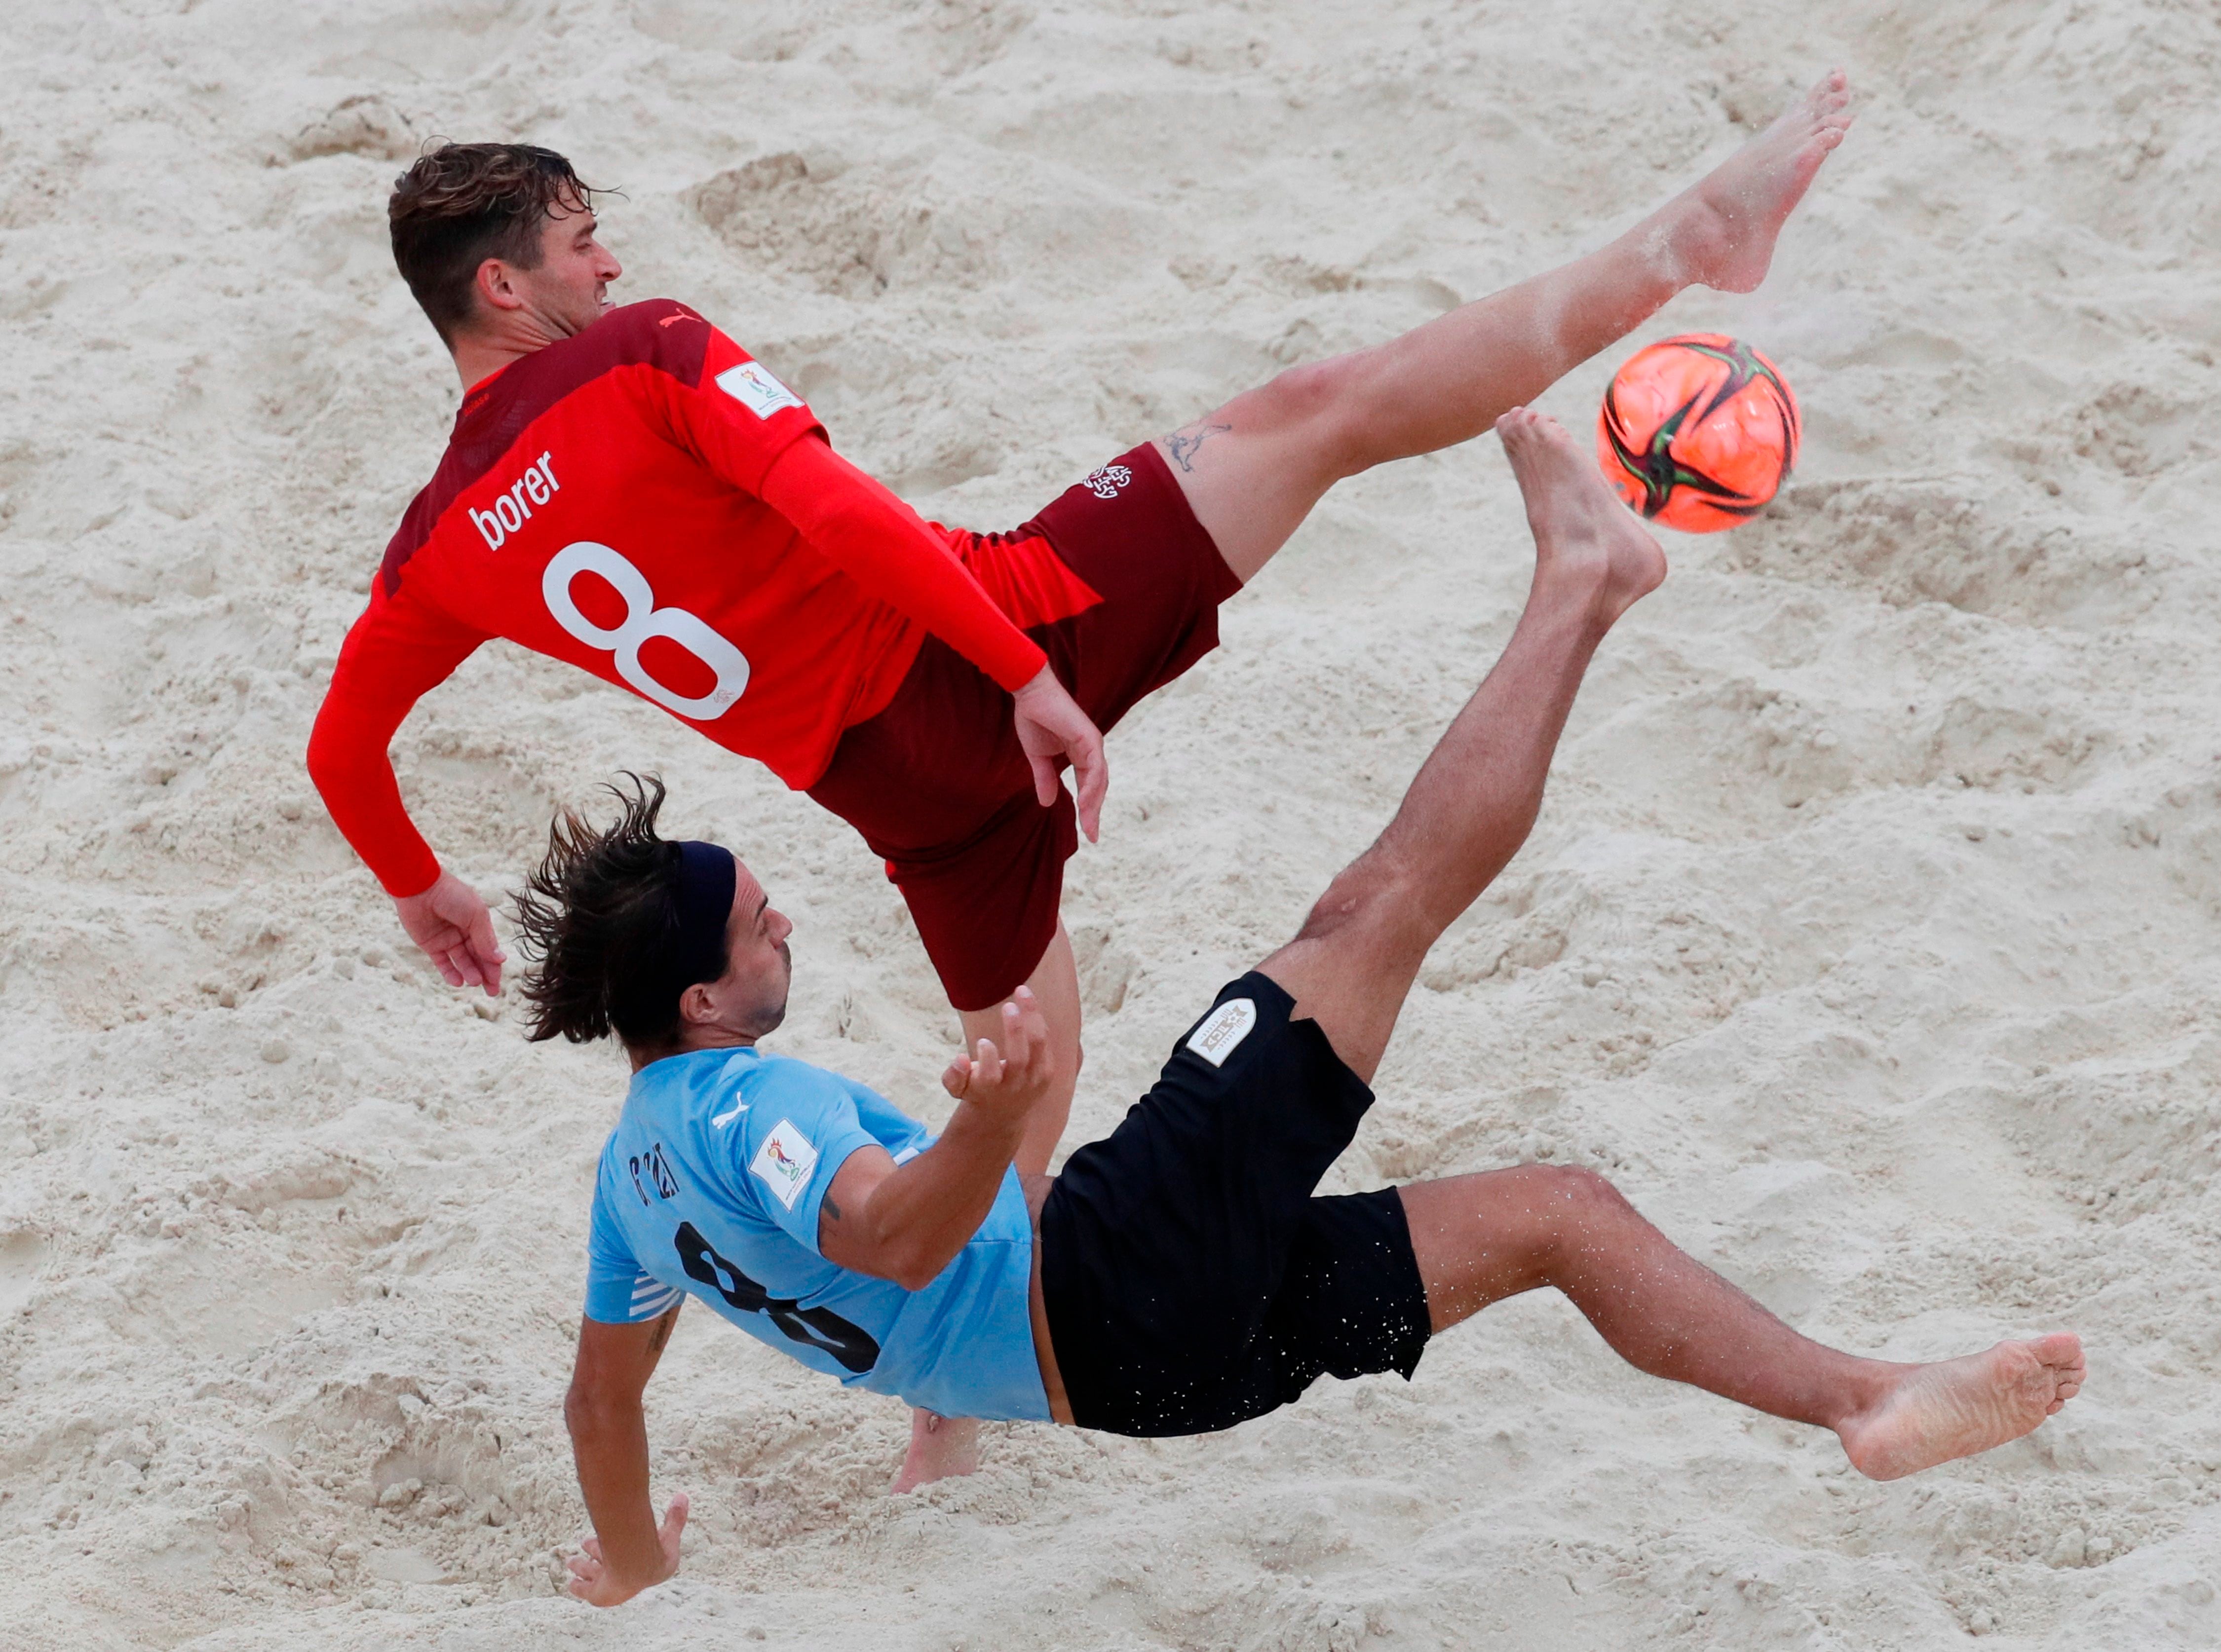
[(710, 1184)]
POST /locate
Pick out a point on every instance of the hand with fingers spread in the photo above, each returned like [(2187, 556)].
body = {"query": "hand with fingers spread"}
[(597, 1583), (455, 929), (1005, 1084), (1051, 724)]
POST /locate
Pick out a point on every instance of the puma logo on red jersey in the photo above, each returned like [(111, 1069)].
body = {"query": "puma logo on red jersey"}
[(513, 508)]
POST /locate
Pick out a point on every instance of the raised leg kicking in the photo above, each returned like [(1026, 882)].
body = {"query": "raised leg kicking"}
[(1251, 470), (1183, 1276), (1254, 469), (1479, 1238)]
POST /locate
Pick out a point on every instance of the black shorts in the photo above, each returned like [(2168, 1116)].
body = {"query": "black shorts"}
[(1191, 1280)]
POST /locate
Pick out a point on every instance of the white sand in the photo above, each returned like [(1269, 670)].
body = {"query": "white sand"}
[(1868, 938)]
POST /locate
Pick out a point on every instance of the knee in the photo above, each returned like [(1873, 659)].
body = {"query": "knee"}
[(1302, 394), (1333, 912), (1573, 1201), (1319, 401), (1370, 895)]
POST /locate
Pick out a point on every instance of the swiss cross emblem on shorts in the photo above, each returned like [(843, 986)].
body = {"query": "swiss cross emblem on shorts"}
[(1105, 482)]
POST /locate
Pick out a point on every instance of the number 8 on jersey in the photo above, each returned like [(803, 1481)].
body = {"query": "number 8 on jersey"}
[(643, 621)]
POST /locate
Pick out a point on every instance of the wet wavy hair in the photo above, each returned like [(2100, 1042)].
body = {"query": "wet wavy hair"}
[(600, 921), (466, 202)]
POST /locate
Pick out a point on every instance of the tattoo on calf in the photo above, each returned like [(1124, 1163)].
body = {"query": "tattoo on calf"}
[(1184, 441)]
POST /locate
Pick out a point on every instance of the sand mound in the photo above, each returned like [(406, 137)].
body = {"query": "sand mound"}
[(1869, 937)]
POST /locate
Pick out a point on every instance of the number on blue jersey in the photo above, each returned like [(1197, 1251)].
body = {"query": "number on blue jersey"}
[(821, 1328)]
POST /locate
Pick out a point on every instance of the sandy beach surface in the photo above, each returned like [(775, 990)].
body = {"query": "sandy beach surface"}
[(1868, 938)]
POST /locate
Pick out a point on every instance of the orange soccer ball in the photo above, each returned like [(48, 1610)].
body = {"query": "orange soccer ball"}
[(1699, 432)]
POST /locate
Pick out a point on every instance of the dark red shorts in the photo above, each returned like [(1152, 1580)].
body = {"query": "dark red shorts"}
[(936, 781)]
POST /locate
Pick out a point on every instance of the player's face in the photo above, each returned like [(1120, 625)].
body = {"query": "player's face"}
[(571, 284), (760, 970)]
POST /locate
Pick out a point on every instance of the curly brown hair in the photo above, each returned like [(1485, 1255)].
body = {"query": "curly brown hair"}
[(599, 918), (466, 202)]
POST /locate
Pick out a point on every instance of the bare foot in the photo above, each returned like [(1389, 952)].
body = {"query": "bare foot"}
[(1957, 1407), (1722, 231), (939, 1447), (1586, 540)]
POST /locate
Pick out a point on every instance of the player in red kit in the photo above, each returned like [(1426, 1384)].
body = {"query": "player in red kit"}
[(625, 489)]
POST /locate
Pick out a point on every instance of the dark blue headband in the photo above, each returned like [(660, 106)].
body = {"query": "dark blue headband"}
[(704, 903)]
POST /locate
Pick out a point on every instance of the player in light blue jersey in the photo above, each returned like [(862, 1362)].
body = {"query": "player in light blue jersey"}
[(712, 1172), (1181, 1275)]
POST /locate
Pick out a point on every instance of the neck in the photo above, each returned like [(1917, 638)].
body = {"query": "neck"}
[(484, 352), (479, 359), (690, 1040)]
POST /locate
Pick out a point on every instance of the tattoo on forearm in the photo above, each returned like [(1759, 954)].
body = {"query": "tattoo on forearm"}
[(663, 1329), (1184, 441)]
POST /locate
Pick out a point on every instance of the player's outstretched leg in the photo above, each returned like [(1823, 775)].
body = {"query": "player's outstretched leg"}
[(1253, 470), (1475, 798), (1480, 1238)]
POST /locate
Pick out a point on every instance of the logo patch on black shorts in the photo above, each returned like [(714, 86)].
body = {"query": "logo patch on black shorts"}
[(1223, 1030)]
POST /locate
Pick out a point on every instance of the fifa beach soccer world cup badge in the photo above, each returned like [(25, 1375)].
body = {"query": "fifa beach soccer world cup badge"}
[(785, 1162)]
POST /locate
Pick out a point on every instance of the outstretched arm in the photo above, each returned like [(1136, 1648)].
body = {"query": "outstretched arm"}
[(399, 650), (886, 547), (906, 1222), (629, 1551)]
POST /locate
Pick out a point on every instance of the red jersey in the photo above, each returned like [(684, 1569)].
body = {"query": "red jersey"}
[(647, 502)]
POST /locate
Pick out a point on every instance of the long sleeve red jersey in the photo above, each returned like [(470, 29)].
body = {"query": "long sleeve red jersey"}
[(647, 502)]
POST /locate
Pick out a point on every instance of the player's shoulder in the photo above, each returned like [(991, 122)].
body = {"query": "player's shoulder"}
[(659, 331), (790, 1076), (651, 317)]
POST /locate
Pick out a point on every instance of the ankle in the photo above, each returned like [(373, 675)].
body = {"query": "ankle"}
[(1581, 594), (1866, 1390), (1687, 239), (1670, 246)]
